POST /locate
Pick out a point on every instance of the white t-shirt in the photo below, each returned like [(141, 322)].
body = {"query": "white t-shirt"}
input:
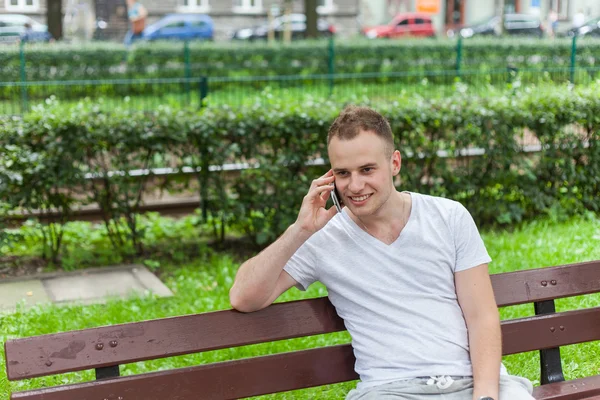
[(398, 301)]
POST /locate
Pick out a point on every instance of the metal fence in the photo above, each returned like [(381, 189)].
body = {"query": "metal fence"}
[(145, 94), (183, 84), (96, 61)]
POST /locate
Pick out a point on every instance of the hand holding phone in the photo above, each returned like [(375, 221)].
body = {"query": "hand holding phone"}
[(313, 214)]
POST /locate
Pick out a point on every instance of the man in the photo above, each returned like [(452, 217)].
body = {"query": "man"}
[(552, 23), (28, 32), (407, 273), (136, 13)]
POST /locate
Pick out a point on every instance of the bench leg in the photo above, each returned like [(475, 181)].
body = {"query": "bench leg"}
[(551, 366), (107, 372)]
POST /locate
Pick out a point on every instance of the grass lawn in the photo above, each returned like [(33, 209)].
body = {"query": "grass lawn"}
[(203, 285), (395, 86)]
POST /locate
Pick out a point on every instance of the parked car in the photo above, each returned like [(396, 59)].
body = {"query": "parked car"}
[(514, 24), (176, 27), (403, 24), (297, 28), (589, 28), (16, 27)]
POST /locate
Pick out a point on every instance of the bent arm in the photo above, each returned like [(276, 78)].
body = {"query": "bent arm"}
[(476, 298), (261, 279)]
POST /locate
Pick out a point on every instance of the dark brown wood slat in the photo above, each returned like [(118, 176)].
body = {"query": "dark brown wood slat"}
[(226, 380), (120, 344), (546, 283), (551, 330), (570, 390)]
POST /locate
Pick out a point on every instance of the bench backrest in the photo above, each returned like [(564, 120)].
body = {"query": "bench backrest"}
[(105, 348)]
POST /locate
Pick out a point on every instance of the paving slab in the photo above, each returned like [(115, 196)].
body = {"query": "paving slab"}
[(31, 291), (92, 286), (85, 286)]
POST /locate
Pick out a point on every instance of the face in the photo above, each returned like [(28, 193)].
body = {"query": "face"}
[(363, 172)]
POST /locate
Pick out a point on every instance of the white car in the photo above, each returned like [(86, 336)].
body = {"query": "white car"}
[(16, 27)]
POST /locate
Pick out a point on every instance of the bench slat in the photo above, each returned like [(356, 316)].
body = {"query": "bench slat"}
[(570, 390), (545, 332), (77, 350), (518, 336), (528, 286), (226, 380)]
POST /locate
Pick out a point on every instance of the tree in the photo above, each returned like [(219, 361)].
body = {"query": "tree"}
[(54, 18), (310, 8), (501, 11)]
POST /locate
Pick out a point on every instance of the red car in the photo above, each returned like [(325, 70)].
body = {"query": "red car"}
[(403, 24)]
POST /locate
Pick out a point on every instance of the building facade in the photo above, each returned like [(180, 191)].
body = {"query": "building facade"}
[(34, 8)]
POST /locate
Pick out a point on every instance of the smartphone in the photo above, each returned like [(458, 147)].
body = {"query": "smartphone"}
[(335, 198)]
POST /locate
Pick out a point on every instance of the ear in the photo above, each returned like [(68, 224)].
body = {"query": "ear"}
[(396, 163)]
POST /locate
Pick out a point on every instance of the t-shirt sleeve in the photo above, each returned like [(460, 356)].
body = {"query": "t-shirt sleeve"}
[(470, 249), (302, 265)]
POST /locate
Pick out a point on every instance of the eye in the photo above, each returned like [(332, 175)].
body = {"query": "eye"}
[(341, 173), (368, 169)]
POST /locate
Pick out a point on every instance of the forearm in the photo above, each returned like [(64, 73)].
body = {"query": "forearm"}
[(485, 344), (257, 277)]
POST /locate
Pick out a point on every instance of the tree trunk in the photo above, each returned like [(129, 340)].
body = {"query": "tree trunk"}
[(500, 5), (310, 8), (287, 27), (54, 17)]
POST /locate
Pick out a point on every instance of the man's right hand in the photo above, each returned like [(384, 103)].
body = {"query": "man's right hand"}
[(313, 215)]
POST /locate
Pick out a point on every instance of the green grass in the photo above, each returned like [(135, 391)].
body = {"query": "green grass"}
[(297, 89), (203, 285), (87, 244)]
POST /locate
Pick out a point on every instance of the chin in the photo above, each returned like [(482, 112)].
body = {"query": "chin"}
[(363, 211)]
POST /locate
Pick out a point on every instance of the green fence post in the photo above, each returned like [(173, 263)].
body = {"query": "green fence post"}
[(331, 64), (203, 92), (24, 102), (187, 69), (573, 58), (511, 72), (458, 55)]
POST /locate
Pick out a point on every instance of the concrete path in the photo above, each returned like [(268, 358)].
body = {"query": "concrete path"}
[(85, 286)]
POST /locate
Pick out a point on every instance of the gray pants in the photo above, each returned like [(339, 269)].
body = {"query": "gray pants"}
[(455, 388)]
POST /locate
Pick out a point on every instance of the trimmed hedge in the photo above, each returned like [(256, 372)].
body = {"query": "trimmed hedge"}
[(50, 150), (99, 70), (166, 60)]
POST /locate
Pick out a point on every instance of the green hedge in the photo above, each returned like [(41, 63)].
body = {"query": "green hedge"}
[(116, 72), (109, 61), (50, 150)]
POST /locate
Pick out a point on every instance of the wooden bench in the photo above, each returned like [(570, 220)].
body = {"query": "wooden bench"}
[(105, 348)]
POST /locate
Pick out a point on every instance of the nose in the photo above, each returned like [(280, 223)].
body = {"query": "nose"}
[(355, 185)]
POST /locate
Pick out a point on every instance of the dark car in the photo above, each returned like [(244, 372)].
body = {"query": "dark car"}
[(514, 24), (403, 24), (176, 27), (590, 28), (297, 28), (18, 27)]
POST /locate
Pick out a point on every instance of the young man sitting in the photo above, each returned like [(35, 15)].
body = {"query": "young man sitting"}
[(407, 272)]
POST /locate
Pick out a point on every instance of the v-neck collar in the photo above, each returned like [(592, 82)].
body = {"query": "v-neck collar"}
[(364, 235)]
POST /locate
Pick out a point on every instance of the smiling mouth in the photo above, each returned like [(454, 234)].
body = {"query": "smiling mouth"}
[(359, 198)]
